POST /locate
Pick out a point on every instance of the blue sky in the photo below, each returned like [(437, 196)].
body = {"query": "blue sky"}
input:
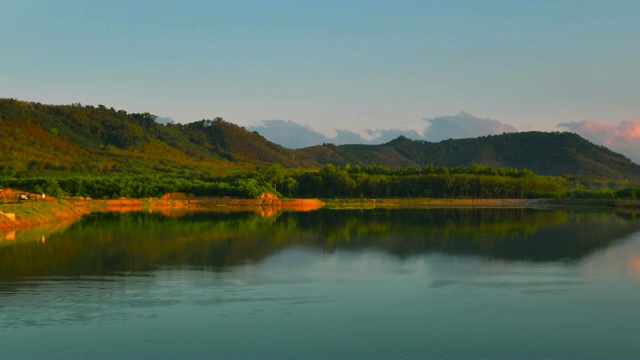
[(330, 65)]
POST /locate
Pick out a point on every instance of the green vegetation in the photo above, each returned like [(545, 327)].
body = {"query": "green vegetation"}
[(40, 212), (100, 152), (476, 181), (429, 182), (102, 187), (552, 154), (50, 140)]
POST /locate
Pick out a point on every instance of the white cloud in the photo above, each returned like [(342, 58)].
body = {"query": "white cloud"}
[(288, 133), (293, 135), (462, 126), (384, 136)]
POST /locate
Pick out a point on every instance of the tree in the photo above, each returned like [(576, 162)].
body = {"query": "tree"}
[(273, 174)]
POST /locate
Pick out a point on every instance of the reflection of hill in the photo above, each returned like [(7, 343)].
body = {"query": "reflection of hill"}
[(115, 242), (508, 234), (34, 233)]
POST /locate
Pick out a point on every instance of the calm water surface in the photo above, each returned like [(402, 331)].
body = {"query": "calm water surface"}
[(370, 284)]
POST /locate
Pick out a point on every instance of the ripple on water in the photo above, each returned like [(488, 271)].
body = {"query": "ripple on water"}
[(52, 302), (436, 345), (442, 283), (412, 347), (11, 350), (534, 286)]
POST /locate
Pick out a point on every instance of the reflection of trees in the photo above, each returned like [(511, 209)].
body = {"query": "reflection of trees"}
[(508, 234), (115, 242)]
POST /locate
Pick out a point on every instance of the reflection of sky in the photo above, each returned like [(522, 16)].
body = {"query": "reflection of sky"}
[(360, 265), (634, 264), (618, 261), (621, 258), (361, 303)]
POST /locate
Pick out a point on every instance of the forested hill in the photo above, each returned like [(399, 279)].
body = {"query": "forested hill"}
[(39, 139), (556, 153), (42, 139)]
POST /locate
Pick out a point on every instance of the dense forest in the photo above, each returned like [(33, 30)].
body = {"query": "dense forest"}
[(74, 139), (332, 181), (557, 153), (100, 152)]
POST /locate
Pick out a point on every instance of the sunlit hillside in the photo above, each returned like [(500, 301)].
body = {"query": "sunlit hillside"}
[(42, 139)]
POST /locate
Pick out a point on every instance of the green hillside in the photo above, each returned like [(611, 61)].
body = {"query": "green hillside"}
[(43, 140), (544, 153), (52, 139)]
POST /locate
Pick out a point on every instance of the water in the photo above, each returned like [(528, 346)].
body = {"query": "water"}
[(370, 284)]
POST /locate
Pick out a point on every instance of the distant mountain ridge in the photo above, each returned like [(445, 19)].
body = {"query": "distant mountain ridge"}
[(554, 153), (41, 139)]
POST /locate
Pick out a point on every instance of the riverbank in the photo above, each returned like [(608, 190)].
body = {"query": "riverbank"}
[(631, 205), (38, 211), (425, 202), (18, 214), (31, 213)]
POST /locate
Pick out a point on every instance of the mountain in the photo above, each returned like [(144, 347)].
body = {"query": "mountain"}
[(555, 153), (42, 139), (39, 139)]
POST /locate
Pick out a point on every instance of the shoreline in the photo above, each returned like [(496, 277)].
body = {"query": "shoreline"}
[(28, 213), (615, 204), (427, 202), (15, 215)]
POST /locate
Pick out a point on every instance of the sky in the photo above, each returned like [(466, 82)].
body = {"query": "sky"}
[(337, 71)]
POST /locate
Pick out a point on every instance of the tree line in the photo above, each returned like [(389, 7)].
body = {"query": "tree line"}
[(376, 181), (143, 186)]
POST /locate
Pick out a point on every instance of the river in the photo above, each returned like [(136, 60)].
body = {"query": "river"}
[(442, 283)]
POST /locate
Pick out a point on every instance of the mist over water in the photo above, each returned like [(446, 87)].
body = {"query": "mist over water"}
[(407, 283)]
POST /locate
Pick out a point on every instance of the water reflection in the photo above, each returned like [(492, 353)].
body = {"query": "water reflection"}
[(112, 243), (634, 263), (430, 283)]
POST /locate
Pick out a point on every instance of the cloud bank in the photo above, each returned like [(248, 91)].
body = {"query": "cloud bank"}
[(623, 137), (463, 125), (288, 133), (293, 135)]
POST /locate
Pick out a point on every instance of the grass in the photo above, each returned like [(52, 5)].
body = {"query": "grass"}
[(42, 212)]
